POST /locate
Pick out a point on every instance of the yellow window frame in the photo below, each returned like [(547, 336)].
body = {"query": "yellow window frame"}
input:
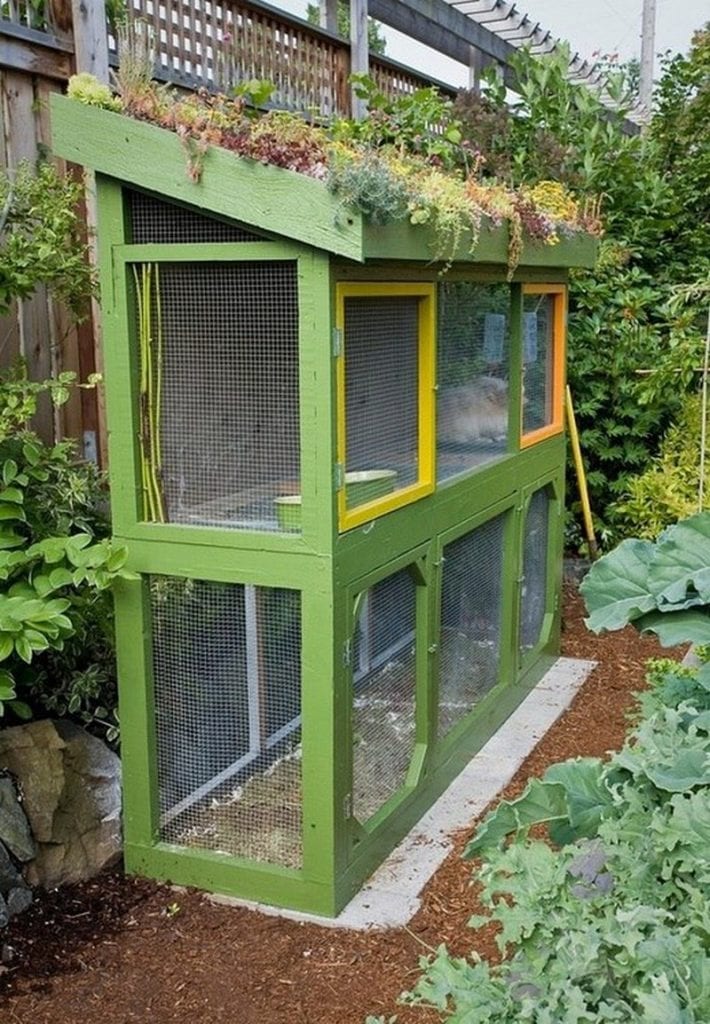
[(559, 337), (426, 353)]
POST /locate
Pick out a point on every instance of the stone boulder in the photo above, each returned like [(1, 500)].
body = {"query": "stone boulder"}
[(70, 783)]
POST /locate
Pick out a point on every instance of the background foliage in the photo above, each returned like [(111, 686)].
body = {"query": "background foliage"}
[(624, 315)]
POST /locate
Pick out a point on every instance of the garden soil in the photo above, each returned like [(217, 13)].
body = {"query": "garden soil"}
[(119, 950)]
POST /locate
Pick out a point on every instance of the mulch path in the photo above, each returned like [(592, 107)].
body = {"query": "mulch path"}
[(119, 950)]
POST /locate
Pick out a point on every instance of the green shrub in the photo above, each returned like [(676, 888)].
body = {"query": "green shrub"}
[(668, 490), (56, 569)]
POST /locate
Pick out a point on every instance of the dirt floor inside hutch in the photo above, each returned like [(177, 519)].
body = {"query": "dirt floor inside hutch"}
[(132, 951)]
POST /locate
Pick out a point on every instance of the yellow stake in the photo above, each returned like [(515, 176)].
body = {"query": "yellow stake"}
[(581, 476)]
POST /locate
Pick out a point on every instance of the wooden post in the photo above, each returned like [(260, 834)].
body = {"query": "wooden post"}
[(91, 54), (329, 15), (475, 66), (359, 52), (90, 37)]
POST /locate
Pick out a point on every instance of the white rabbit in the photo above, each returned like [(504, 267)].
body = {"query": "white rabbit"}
[(473, 411)]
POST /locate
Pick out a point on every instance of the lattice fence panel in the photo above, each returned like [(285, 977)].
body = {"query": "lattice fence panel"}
[(227, 685), (471, 620), (533, 594), (473, 375), (538, 366), (381, 396), (220, 424), (384, 681)]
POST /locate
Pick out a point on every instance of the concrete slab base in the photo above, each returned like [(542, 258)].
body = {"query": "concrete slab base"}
[(391, 897)]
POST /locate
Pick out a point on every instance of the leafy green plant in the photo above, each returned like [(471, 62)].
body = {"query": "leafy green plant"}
[(41, 238), (668, 489), (56, 568), (610, 922), (661, 587)]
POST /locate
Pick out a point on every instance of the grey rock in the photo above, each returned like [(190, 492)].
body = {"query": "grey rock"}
[(9, 875), (71, 784), (14, 827), (4, 913), (18, 899), (33, 753)]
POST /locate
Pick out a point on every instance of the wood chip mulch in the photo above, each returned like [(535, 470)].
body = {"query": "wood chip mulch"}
[(117, 950)]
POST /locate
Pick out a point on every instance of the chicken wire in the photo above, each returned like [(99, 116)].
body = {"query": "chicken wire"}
[(154, 221), (381, 396), (384, 691), (471, 620), (538, 360), (473, 375), (533, 593), (227, 419), (227, 694)]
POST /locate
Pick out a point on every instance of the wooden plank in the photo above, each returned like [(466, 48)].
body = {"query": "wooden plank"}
[(359, 53), (9, 324), (34, 58), (442, 27), (90, 38), (21, 131), (288, 204), (404, 241)]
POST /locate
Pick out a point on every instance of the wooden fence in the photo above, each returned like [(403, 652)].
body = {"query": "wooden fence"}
[(212, 43)]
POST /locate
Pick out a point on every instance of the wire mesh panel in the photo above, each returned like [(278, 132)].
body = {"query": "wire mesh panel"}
[(219, 392), (384, 680), (471, 620), (538, 361), (381, 396), (533, 593), (227, 690), (153, 221), (473, 375)]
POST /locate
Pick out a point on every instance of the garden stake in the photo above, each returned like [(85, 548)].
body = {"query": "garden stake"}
[(581, 476)]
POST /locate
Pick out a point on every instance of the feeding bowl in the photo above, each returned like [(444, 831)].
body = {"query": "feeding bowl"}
[(288, 511), (368, 485)]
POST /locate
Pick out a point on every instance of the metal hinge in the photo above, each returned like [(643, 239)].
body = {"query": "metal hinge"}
[(337, 339), (338, 476), (347, 653), (348, 806)]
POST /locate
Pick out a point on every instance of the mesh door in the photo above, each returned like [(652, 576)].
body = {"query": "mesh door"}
[(384, 680), (227, 686), (471, 620), (473, 375), (154, 221), (538, 360), (533, 594), (381, 396), (220, 417)]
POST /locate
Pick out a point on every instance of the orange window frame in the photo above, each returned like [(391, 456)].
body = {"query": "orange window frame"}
[(558, 292)]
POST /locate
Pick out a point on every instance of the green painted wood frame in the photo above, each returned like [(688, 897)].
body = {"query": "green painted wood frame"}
[(328, 569), (258, 195)]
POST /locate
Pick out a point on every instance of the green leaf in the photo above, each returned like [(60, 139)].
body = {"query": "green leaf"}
[(616, 589), (542, 802), (22, 710), (673, 628), (60, 578), (9, 471), (12, 495), (690, 769), (588, 799), (682, 561), (23, 648)]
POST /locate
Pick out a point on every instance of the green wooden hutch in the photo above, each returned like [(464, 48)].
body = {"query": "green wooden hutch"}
[(343, 505)]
